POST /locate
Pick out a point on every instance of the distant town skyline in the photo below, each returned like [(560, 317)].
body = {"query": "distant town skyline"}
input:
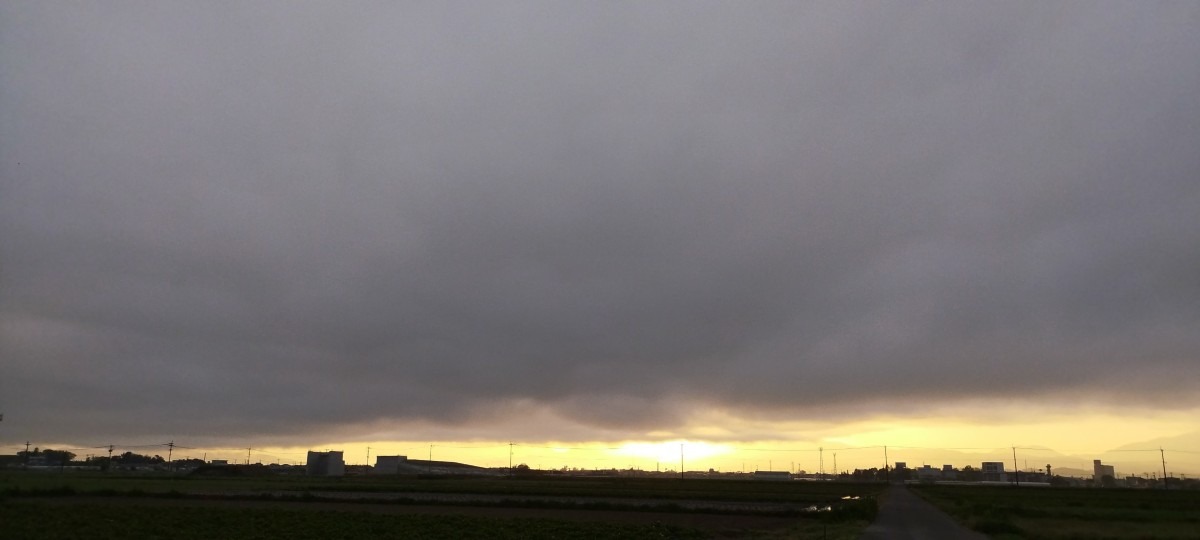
[(817, 224), (1131, 460)]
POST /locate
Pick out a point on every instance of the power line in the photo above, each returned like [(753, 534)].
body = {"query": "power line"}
[(493, 446), (518, 445), (952, 448)]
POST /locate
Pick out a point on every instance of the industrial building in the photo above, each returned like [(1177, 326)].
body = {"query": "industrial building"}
[(325, 464), (388, 464), (772, 475), (403, 465)]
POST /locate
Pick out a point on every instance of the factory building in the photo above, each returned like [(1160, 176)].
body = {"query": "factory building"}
[(325, 464), (388, 464)]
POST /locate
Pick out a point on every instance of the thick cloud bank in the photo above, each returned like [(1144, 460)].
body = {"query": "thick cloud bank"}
[(230, 219)]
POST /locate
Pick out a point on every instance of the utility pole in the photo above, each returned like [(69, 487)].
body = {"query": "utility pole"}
[(681, 461), (887, 470), (1162, 455), (247, 455), (835, 470), (170, 450), (821, 463), (1016, 471), (510, 454), (368, 456)]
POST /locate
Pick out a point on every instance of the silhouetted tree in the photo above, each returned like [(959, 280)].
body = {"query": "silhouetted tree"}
[(58, 457), (869, 475), (130, 458), (49, 455)]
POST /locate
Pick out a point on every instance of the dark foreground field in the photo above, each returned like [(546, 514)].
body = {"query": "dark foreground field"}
[(99, 506), (1062, 513)]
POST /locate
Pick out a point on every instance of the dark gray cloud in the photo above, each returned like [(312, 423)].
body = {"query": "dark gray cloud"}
[(271, 220)]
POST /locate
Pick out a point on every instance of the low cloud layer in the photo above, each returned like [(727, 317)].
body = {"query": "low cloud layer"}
[(274, 220)]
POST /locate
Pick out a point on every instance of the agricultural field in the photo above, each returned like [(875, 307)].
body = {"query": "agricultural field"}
[(618, 487), (1060, 513), (40, 505)]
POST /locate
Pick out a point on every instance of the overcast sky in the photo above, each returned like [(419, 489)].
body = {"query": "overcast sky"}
[(223, 220)]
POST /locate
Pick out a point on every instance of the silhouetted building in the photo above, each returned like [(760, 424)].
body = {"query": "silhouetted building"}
[(928, 474), (325, 464), (388, 464), (772, 475), (993, 471), (1099, 471), (403, 465)]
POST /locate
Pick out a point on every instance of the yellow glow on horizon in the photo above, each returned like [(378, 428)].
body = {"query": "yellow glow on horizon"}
[(672, 451), (727, 442), (1073, 434)]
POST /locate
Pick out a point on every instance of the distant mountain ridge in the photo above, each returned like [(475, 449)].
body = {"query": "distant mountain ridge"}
[(1181, 453), (1188, 442)]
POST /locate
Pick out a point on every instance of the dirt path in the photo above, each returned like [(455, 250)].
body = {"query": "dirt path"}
[(905, 516)]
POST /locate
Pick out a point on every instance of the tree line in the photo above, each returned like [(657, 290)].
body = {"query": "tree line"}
[(50, 456)]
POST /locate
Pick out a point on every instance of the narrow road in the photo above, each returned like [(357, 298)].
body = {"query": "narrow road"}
[(904, 516)]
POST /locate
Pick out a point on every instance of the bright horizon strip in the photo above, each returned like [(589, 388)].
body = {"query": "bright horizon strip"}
[(1071, 438), (664, 455)]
